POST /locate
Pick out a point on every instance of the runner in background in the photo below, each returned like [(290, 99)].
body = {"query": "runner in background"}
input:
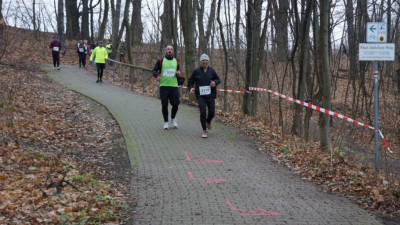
[(88, 50), (55, 46), (82, 52), (122, 52), (92, 47), (206, 80), (109, 47), (101, 55)]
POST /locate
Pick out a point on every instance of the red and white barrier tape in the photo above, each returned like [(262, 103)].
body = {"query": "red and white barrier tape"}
[(223, 90), (320, 109)]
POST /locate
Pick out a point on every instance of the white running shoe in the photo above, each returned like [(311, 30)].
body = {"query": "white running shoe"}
[(204, 135), (174, 123), (166, 125)]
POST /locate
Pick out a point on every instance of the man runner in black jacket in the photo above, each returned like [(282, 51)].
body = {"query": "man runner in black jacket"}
[(206, 80)]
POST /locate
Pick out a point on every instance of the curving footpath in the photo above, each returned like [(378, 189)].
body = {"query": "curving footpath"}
[(180, 178)]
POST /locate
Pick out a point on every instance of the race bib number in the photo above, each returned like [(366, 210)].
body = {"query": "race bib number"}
[(81, 49), (169, 73), (56, 49), (205, 90)]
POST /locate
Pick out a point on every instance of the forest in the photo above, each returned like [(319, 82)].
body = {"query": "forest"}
[(305, 50)]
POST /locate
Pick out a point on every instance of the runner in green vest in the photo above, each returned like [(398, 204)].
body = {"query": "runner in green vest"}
[(166, 71), (109, 47)]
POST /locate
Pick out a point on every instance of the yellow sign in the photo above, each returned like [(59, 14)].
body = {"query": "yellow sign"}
[(381, 38)]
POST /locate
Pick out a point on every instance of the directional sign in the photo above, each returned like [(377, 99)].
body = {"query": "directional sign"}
[(376, 32), (376, 52)]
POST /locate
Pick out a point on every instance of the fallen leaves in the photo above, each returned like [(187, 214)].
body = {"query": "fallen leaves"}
[(53, 153), (336, 172)]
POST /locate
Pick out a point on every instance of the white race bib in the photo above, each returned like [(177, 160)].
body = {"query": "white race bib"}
[(81, 49), (55, 49), (169, 72), (205, 90)]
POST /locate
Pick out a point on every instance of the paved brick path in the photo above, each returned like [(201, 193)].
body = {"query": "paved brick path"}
[(179, 177)]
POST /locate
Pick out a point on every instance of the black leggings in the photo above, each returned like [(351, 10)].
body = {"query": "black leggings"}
[(100, 68), (56, 59), (210, 104), (171, 94), (82, 59)]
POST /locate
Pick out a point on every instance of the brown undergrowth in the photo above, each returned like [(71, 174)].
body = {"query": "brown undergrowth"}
[(56, 162)]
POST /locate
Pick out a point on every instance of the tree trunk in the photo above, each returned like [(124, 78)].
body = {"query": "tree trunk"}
[(91, 21), (187, 19), (60, 23), (249, 53), (221, 31), (352, 51), (2, 26), (116, 14), (304, 61), (35, 32), (167, 24), (72, 19), (204, 36), (281, 28), (325, 143), (125, 23), (85, 20), (237, 27), (255, 50), (136, 23), (102, 29)]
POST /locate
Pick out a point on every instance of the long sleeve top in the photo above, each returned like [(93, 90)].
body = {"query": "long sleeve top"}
[(203, 78), (55, 47)]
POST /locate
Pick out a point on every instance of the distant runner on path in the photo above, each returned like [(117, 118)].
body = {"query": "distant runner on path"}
[(166, 71), (206, 80), (101, 55), (82, 51), (55, 46)]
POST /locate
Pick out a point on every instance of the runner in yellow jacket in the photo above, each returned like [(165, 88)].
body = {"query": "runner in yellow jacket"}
[(100, 54)]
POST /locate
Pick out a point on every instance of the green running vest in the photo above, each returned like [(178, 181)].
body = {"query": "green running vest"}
[(168, 73)]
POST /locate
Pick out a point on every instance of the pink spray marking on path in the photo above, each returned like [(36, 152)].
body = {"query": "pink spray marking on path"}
[(259, 212), (206, 179), (202, 160)]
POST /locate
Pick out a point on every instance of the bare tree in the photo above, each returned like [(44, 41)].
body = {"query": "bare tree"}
[(60, 23), (281, 27), (2, 24), (221, 32), (255, 52), (325, 143), (303, 38), (187, 19), (237, 27), (167, 24), (116, 13), (102, 29), (72, 19), (204, 36), (125, 22), (136, 23), (85, 20), (91, 7)]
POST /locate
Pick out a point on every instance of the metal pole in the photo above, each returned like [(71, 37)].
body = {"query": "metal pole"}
[(143, 81), (122, 74), (376, 115), (131, 78), (113, 72), (107, 69)]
